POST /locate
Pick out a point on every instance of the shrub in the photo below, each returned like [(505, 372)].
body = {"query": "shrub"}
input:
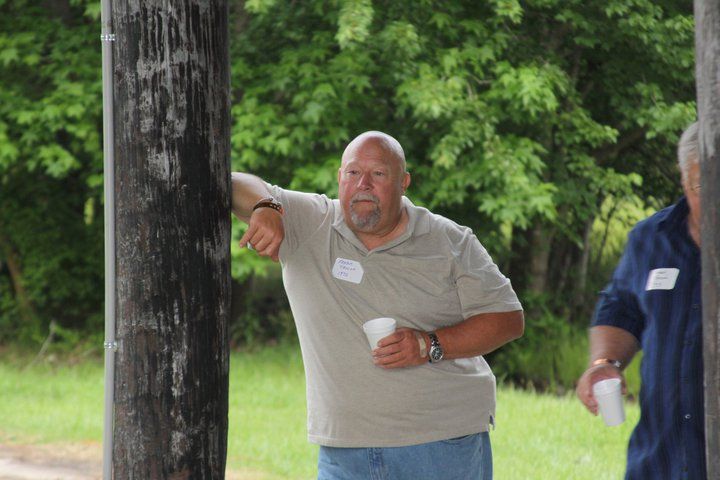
[(552, 354), (260, 311)]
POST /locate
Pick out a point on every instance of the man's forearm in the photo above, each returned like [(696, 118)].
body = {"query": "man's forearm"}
[(612, 343), (247, 191), (480, 334)]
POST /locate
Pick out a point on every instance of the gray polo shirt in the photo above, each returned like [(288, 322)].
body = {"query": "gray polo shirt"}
[(434, 275)]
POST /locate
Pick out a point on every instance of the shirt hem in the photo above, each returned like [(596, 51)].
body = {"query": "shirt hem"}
[(398, 442)]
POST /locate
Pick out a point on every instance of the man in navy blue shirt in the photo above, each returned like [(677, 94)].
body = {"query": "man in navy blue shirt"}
[(653, 303)]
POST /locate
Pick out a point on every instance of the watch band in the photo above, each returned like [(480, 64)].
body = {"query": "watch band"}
[(270, 202), (607, 361)]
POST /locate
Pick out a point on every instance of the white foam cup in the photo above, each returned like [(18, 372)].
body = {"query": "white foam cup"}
[(609, 397), (377, 329)]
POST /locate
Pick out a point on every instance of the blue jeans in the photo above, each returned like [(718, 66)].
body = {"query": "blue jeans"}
[(462, 458)]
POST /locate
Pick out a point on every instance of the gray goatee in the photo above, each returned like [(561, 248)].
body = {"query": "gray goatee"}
[(367, 220)]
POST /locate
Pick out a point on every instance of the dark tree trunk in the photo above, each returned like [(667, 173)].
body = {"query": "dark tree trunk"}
[(520, 253), (172, 118), (540, 256), (707, 41), (580, 285), (25, 306)]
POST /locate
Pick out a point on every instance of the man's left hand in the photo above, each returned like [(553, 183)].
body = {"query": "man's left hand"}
[(401, 349)]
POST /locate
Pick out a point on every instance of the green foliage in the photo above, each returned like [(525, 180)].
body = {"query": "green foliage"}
[(512, 115), (61, 255), (516, 110), (610, 229), (552, 355), (261, 312), (50, 158), (260, 325), (354, 23), (632, 376)]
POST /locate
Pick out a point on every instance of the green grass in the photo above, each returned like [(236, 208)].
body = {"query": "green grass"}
[(537, 436), (548, 437), (51, 403), (267, 414)]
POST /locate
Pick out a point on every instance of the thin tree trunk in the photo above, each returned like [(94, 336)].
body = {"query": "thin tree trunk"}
[(540, 256), (580, 284), (565, 258), (25, 306), (517, 267), (581, 281), (707, 41), (603, 242), (172, 117)]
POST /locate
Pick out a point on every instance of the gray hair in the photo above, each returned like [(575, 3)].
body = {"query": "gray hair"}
[(388, 143), (688, 151)]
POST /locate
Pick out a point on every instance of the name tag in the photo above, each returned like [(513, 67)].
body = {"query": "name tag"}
[(662, 279), (348, 270)]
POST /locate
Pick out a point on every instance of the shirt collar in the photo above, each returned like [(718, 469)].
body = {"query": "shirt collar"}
[(677, 215), (418, 224)]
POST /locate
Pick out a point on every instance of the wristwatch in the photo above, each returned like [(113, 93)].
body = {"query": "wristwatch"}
[(269, 202), (436, 350)]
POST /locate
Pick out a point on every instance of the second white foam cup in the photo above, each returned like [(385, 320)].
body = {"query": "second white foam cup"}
[(378, 328), (609, 397)]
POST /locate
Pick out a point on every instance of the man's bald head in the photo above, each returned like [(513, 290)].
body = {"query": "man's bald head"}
[(375, 139)]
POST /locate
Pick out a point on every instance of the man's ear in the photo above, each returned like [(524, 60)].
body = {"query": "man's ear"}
[(406, 181)]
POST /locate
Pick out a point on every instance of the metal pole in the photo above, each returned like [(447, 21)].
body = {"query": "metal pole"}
[(107, 37)]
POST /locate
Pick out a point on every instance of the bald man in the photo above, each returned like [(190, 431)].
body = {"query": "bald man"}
[(421, 403)]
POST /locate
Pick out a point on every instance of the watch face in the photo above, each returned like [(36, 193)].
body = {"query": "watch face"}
[(436, 354)]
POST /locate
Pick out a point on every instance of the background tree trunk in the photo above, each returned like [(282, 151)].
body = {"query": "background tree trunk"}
[(540, 249), (25, 306), (580, 286), (172, 117), (707, 41)]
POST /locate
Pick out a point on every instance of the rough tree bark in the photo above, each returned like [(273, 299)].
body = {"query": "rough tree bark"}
[(172, 125), (707, 42)]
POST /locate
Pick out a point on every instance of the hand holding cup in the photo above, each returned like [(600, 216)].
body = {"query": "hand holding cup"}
[(608, 395), (377, 329)]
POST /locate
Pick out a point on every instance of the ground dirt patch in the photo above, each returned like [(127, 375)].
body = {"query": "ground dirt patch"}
[(76, 461), (69, 461)]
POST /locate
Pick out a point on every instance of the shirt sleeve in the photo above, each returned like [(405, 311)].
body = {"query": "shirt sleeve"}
[(618, 305), (303, 215), (482, 288)]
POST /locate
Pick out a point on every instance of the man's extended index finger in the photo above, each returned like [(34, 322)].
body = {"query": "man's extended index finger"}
[(248, 235)]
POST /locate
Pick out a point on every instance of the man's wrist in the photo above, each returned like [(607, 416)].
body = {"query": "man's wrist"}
[(606, 361), (269, 202)]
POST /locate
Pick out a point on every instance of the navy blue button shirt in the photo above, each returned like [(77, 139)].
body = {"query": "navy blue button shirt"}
[(665, 316)]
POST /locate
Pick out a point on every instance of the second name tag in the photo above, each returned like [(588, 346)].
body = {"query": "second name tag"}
[(348, 270), (662, 279)]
